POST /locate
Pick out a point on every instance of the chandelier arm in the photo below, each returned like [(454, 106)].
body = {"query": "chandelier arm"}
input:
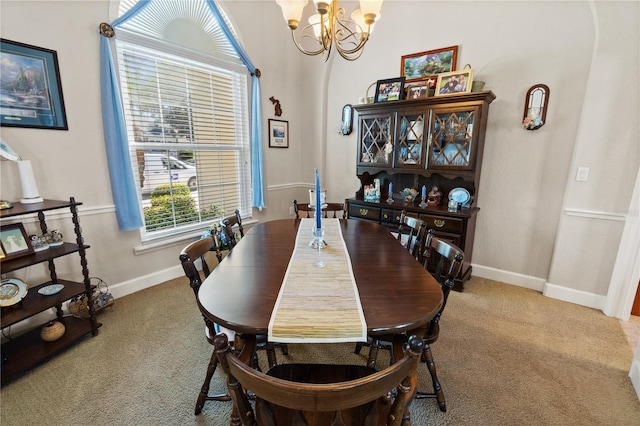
[(302, 49)]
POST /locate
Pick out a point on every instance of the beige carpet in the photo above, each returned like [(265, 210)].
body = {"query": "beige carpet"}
[(506, 356)]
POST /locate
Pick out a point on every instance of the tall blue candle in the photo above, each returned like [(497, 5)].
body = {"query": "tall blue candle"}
[(318, 206)]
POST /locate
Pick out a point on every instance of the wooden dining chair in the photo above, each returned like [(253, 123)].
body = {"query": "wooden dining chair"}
[(201, 250), (411, 233), (322, 394), (337, 209), (448, 260), (229, 224)]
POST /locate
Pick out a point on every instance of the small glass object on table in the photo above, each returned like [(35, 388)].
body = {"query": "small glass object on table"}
[(318, 243)]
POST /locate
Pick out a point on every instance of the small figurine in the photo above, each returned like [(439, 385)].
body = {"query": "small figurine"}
[(434, 196), (38, 243), (54, 238)]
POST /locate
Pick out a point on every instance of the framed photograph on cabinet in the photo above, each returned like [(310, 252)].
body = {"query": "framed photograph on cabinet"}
[(418, 91), (278, 134), (454, 83), (14, 241), (390, 89), (417, 66), (31, 88)]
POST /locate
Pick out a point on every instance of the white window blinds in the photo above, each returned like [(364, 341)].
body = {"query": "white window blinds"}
[(187, 121)]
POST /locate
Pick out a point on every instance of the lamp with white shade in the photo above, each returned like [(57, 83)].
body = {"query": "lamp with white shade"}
[(30, 193)]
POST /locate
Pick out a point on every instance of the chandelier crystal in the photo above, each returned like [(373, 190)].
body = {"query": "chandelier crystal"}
[(330, 27)]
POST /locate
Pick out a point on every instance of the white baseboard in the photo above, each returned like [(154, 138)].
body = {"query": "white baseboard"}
[(140, 283), (553, 291), (571, 295), (507, 277)]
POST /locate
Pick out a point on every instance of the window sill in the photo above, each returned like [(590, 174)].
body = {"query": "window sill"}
[(181, 239)]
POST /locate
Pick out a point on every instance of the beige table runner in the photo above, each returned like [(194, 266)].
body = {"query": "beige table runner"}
[(318, 305)]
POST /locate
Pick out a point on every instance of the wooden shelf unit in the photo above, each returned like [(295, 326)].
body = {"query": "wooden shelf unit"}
[(28, 349)]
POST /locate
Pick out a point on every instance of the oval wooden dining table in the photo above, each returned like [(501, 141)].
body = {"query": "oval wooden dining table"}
[(396, 293)]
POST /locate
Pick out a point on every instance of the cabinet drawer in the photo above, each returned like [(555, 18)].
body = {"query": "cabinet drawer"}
[(391, 216), (364, 212), (444, 223)]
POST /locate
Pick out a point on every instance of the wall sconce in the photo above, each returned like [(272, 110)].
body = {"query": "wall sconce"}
[(535, 107)]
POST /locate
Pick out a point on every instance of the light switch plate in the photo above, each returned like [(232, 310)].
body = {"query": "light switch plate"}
[(582, 175)]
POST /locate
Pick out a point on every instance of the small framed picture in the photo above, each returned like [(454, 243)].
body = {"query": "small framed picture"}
[(418, 91), (14, 241), (391, 89), (454, 83), (417, 66), (278, 134)]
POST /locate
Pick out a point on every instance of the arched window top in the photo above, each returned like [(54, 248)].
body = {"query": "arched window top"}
[(189, 24)]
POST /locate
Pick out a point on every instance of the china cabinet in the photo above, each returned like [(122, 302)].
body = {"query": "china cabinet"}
[(24, 351), (432, 142)]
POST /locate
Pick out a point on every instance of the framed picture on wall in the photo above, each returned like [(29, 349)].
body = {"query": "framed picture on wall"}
[(417, 66), (31, 88), (278, 134)]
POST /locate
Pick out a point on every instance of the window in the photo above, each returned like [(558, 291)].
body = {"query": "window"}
[(187, 122)]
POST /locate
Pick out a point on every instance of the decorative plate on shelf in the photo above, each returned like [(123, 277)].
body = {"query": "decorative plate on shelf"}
[(12, 291), (460, 195), (51, 289)]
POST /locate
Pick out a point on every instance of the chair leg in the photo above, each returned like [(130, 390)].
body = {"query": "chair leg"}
[(271, 354), (284, 348), (204, 391), (373, 354), (438, 394)]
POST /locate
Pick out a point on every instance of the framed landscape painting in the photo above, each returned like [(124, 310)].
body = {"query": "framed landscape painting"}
[(30, 88), (420, 66), (278, 134)]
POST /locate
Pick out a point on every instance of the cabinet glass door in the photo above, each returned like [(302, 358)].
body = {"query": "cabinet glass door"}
[(451, 144), (409, 141), (375, 141)]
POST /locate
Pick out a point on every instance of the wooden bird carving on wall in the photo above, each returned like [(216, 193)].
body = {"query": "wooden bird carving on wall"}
[(277, 104)]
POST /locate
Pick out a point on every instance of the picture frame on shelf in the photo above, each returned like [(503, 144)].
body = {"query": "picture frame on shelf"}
[(35, 100), (14, 241), (419, 90), (278, 134), (418, 66), (391, 89), (455, 82)]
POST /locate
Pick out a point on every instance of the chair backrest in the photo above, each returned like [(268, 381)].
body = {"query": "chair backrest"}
[(227, 227), (411, 234), (334, 208), (447, 258), (194, 251), (321, 394)]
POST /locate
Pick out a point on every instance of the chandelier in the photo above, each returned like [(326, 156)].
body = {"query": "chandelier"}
[(330, 27)]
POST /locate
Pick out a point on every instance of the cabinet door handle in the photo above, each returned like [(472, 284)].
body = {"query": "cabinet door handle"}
[(439, 223), (386, 216), (364, 212)]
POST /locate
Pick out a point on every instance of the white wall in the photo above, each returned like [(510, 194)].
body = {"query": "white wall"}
[(586, 52)]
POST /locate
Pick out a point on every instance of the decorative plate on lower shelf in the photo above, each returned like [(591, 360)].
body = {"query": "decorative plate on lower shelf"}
[(51, 289), (12, 291), (460, 195)]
